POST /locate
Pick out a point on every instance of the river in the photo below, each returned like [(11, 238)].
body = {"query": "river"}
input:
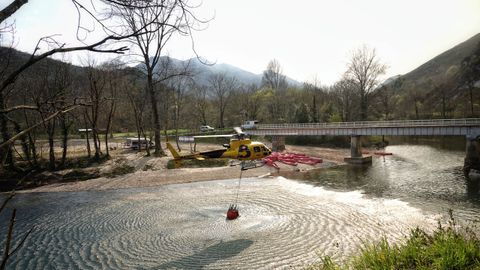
[(283, 224)]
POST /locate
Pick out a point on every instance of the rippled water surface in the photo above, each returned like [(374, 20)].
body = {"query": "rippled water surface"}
[(284, 223), (428, 177)]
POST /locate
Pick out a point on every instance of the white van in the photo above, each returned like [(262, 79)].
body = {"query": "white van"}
[(250, 124), (206, 128)]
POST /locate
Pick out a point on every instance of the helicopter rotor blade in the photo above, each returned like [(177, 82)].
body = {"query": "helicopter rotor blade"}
[(238, 130), (214, 136)]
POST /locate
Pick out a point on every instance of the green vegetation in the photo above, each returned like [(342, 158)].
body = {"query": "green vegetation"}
[(193, 163), (445, 248), (120, 170), (135, 134)]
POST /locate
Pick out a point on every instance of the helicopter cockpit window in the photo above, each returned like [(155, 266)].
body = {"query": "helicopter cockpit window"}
[(256, 149)]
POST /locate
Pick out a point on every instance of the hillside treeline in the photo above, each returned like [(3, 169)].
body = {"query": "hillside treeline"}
[(110, 97)]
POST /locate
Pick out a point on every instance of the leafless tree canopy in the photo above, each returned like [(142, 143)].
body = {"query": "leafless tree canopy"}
[(171, 17), (364, 70), (273, 76), (222, 86)]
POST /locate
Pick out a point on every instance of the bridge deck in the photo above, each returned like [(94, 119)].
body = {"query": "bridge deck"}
[(442, 127)]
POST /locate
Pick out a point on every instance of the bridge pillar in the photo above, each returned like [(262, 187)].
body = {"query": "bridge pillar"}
[(356, 152), (355, 146), (472, 157), (278, 143)]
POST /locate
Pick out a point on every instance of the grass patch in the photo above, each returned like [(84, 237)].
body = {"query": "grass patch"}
[(445, 248), (78, 174), (120, 170), (83, 162), (194, 163)]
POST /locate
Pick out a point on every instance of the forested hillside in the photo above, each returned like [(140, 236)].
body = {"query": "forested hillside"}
[(443, 87)]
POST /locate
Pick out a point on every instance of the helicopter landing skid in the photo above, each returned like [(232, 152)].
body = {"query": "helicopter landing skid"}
[(250, 164)]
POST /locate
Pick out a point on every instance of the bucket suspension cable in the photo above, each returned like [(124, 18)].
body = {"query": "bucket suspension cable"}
[(239, 182), (232, 212)]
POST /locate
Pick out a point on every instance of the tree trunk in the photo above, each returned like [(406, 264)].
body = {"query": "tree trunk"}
[(444, 106), (5, 156), (31, 141), (51, 132), (23, 140), (156, 118), (147, 146), (109, 125), (64, 139), (89, 150), (416, 110), (32, 147), (175, 123), (222, 116), (470, 90), (363, 107), (96, 143)]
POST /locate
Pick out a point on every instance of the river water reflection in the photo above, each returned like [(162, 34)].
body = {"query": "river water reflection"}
[(284, 223), (426, 176)]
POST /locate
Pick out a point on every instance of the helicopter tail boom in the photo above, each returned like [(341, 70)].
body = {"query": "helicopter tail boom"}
[(174, 152)]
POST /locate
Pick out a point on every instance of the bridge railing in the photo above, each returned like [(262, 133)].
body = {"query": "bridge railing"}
[(377, 124)]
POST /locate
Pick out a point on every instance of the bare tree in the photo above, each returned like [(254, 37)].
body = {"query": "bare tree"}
[(171, 17), (114, 79), (251, 101), (138, 101), (344, 93), (179, 86), (221, 87), (364, 70), (106, 44), (273, 76), (274, 79), (95, 96), (202, 102)]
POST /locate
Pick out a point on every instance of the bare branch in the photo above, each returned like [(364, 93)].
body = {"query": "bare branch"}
[(6, 252), (21, 242), (18, 135), (93, 47), (19, 107), (10, 9)]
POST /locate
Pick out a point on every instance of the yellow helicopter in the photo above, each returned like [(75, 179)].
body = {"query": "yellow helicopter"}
[(240, 148)]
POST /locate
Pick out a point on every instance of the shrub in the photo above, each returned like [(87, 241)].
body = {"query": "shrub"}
[(445, 248)]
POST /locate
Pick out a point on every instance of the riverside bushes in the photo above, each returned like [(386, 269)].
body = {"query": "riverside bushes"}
[(445, 248)]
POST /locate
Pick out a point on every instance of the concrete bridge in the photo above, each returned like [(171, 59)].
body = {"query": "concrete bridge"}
[(470, 128)]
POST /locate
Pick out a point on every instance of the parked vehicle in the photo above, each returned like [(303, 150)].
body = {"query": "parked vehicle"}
[(206, 128), (250, 124), (134, 143)]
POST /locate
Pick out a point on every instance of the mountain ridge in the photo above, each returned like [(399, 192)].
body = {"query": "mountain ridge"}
[(202, 71), (437, 67)]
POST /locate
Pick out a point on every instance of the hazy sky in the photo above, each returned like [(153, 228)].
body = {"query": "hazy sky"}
[(310, 39)]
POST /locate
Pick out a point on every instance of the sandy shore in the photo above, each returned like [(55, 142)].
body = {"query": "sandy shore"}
[(158, 174)]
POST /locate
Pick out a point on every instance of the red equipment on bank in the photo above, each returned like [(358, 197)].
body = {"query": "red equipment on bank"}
[(290, 159)]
